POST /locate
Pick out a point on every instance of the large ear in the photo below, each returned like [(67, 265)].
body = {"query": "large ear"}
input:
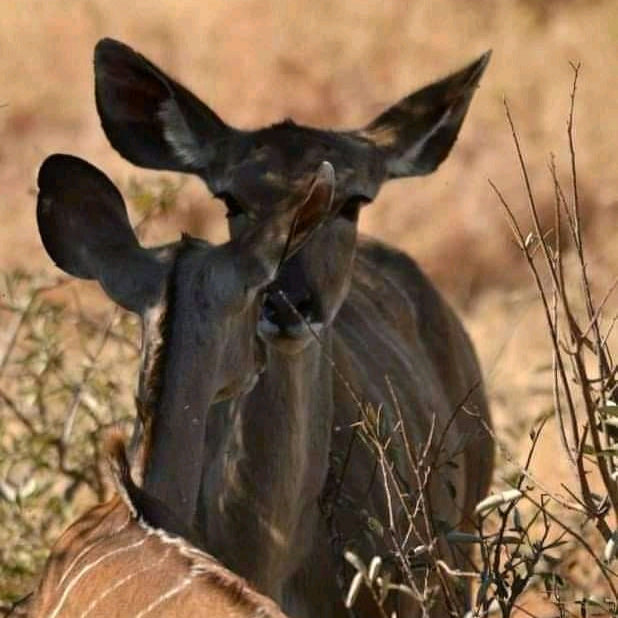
[(416, 134), (282, 234), (150, 119), (85, 229)]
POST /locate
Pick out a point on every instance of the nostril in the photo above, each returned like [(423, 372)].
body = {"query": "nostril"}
[(305, 307), (279, 309), (269, 310)]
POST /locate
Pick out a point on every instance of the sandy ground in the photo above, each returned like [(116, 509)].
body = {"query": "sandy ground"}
[(338, 64)]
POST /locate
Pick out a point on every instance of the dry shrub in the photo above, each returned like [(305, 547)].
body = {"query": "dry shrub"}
[(66, 373), (541, 552), (338, 64)]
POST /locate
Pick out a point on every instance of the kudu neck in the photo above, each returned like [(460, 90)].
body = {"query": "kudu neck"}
[(271, 468)]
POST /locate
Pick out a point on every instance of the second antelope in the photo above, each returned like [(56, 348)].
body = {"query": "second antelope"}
[(109, 562), (119, 561)]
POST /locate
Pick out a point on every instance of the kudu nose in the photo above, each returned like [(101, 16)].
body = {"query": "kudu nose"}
[(287, 310)]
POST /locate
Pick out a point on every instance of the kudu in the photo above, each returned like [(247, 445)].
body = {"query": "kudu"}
[(119, 560), (206, 298), (264, 478)]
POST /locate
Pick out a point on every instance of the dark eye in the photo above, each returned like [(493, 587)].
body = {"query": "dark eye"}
[(351, 207), (232, 204)]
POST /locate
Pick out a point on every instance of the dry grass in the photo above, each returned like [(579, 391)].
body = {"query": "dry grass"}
[(337, 64)]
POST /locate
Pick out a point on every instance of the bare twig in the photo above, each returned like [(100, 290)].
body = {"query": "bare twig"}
[(88, 370)]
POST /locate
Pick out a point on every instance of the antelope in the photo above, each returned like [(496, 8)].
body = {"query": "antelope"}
[(115, 562), (342, 315), (119, 557), (189, 290)]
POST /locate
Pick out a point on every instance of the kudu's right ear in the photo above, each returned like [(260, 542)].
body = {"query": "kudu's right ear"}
[(416, 134), (85, 229), (149, 118), (282, 234)]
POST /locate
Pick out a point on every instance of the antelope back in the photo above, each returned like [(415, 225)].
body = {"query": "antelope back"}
[(112, 562), (109, 563)]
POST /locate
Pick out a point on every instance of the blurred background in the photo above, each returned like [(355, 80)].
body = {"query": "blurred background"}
[(332, 64), (337, 65)]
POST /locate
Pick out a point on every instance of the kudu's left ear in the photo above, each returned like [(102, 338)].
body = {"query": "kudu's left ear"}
[(416, 134), (85, 229), (280, 236), (148, 117)]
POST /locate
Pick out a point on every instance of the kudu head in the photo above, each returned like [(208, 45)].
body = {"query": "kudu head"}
[(155, 122), (199, 303)]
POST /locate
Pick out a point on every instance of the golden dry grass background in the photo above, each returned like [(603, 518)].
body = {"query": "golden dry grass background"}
[(337, 65)]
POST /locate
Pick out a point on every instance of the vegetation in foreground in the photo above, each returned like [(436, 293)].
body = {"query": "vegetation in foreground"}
[(66, 374)]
